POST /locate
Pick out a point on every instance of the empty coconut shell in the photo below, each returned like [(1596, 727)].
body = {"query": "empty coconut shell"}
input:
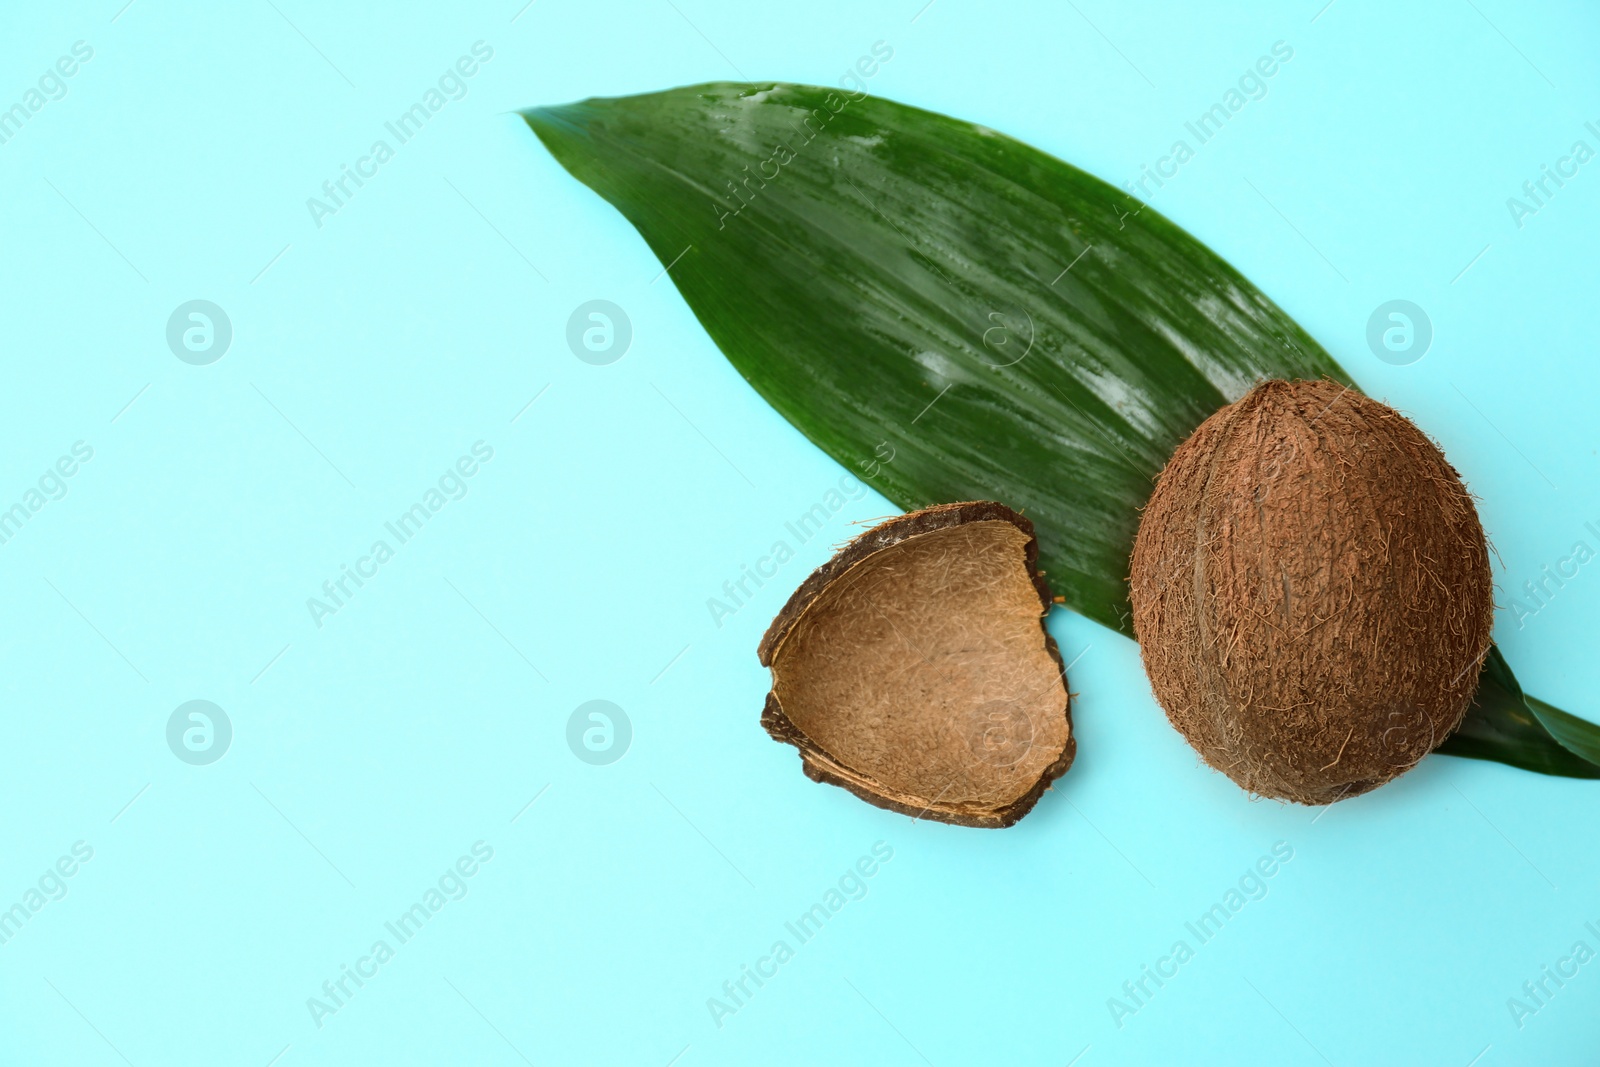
[(1311, 590), (914, 669)]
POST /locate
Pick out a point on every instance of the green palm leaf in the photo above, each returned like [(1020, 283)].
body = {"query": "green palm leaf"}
[(958, 316)]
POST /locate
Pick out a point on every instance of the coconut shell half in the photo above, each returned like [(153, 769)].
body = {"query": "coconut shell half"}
[(914, 669)]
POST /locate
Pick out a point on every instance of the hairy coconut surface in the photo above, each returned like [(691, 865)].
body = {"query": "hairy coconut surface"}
[(1311, 592), (914, 669)]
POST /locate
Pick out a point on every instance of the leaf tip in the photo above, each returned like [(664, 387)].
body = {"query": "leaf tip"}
[(554, 120)]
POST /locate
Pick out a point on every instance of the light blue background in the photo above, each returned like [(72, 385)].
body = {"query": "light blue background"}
[(370, 753)]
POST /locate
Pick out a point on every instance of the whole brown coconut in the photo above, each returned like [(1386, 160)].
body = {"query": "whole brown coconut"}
[(1311, 592)]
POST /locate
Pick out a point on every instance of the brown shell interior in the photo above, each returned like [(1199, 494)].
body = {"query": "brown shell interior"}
[(921, 672)]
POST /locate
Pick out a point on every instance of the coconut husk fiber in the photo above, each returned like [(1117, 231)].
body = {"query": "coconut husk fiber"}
[(914, 669), (1311, 592)]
